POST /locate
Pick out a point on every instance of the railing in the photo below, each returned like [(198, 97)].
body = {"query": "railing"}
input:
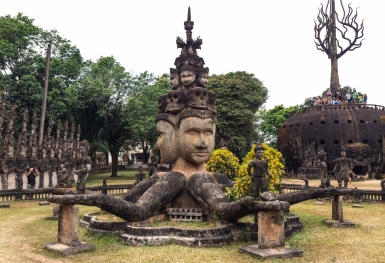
[(361, 194), (339, 107), (41, 194)]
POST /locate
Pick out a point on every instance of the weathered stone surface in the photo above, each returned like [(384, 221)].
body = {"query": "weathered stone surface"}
[(5, 205), (357, 206), (338, 224), (215, 236), (44, 203), (319, 203), (68, 225), (300, 196), (271, 232), (279, 252), (66, 250)]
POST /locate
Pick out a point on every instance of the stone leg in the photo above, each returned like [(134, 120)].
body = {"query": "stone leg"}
[(50, 184), (157, 197), (204, 189), (4, 181), (41, 180)]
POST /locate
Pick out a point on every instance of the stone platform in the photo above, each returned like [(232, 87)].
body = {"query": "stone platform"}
[(279, 252), (66, 250), (338, 224)]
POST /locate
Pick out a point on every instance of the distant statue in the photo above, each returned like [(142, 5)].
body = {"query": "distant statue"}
[(258, 177), (140, 175), (83, 166), (342, 168), (152, 165), (325, 180), (63, 174)]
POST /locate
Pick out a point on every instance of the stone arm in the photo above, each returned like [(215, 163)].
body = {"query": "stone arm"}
[(336, 167), (249, 166), (83, 170), (267, 171)]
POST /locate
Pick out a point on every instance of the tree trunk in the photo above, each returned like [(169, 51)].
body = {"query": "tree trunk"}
[(334, 78), (106, 158), (114, 162)]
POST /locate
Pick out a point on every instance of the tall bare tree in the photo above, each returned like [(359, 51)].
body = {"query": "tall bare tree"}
[(350, 31)]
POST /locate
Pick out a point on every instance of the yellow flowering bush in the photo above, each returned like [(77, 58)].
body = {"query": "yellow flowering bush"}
[(242, 185), (223, 161)]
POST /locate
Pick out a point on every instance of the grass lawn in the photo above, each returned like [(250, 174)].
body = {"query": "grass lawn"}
[(124, 177), (24, 229)]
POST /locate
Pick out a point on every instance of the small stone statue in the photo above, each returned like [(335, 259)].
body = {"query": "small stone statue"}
[(139, 176), (83, 164), (342, 167), (152, 165), (325, 180), (258, 177)]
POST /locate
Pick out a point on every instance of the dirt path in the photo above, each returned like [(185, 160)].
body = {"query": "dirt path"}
[(15, 245)]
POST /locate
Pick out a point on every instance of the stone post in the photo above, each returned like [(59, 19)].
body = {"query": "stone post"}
[(68, 227), (337, 212), (271, 238), (271, 231)]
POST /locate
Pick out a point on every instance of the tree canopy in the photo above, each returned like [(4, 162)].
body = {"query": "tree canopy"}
[(239, 95), (22, 66), (271, 120)]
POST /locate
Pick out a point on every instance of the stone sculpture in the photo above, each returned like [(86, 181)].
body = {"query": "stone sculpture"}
[(186, 127), (342, 168), (140, 175), (260, 170), (325, 180), (83, 166)]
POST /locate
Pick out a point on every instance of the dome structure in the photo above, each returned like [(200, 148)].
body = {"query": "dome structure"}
[(358, 128)]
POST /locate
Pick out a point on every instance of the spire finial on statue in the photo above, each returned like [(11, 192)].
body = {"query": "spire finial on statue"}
[(189, 14)]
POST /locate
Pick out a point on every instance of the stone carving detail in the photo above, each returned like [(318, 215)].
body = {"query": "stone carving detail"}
[(14, 164)]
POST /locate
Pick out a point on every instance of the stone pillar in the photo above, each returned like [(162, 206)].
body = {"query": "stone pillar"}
[(337, 212), (271, 238), (271, 232), (68, 225), (55, 210)]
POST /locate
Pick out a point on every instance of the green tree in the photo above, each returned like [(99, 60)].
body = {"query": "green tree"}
[(239, 95), (22, 66), (102, 93), (143, 108), (271, 120)]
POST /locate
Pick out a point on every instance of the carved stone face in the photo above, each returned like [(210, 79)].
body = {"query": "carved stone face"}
[(204, 79), (197, 98), (166, 142), (258, 154), (187, 78), (174, 81), (196, 139), (175, 101), (361, 155)]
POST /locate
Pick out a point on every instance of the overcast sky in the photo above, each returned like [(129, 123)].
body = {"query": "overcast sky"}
[(274, 40)]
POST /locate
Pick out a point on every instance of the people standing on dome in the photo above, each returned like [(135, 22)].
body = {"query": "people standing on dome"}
[(365, 98)]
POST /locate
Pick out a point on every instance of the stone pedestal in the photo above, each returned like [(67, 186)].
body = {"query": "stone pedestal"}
[(338, 220), (68, 242), (271, 238)]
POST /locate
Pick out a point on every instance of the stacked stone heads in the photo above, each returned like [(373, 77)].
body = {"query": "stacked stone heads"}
[(188, 96)]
